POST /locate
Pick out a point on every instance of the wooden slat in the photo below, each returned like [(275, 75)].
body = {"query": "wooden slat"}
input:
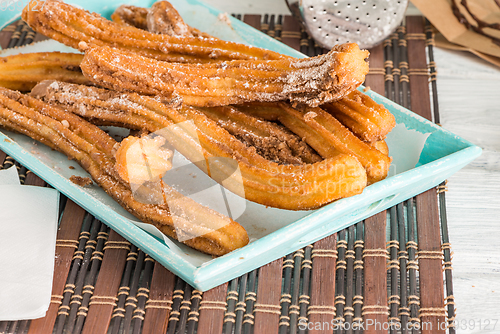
[(160, 301), (375, 78), (359, 246), (17, 34), (267, 308), (269, 27), (341, 266), (432, 309), (349, 286), (106, 288), (294, 308), (131, 300), (324, 257), (393, 267), (67, 240), (212, 308), (375, 310), (418, 72), (252, 20), (278, 27), (290, 35), (305, 278), (2, 158), (6, 34), (33, 180), (73, 292), (375, 275), (286, 296), (194, 312), (429, 249), (39, 37), (231, 299), (431, 285), (8, 162), (90, 278)]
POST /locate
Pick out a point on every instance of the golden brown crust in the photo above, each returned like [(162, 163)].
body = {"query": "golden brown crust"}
[(131, 15), (271, 140), (291, 187), (163, 18), (125, 58), (381, 145), (93, 149), (80, 181), (310, 81), (70, 26), (324, 134), (363, 116), (138, 17), (23, 71)]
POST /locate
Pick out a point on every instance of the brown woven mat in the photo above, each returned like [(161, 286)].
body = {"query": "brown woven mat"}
[(383, 273)]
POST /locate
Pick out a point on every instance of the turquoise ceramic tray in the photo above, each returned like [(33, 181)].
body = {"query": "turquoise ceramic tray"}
[(423, 156)]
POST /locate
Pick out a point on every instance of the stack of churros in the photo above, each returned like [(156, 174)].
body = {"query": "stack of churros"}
[(301, 134)]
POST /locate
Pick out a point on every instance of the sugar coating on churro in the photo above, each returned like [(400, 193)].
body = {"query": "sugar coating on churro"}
[(311, 81)]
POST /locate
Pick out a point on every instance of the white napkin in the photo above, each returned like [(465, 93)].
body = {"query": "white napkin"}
[(28, 227), (9, 177)]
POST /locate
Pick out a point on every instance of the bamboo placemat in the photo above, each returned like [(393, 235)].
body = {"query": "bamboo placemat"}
[(384, 273)]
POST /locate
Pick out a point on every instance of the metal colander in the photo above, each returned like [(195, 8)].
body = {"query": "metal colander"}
[(366, 22)]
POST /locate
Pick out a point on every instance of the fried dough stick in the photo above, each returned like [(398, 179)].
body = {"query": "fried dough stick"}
[(363, 116), (289, 187), (70, 25), (311, 81), (324, 134), (358, 112), (271, 140), (23, 71), (132, 16), (161, 18), (93, 149)]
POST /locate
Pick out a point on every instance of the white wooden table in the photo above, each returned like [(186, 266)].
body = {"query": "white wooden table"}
[(469, 102), (469, 96)]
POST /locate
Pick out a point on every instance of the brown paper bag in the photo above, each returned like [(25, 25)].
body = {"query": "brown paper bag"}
[(440, 14), (442, 42)]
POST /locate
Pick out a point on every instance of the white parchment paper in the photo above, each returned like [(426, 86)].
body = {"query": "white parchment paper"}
[(28, 227), (9, 177)]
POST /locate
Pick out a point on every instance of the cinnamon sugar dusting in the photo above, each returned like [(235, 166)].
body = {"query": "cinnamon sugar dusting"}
[(309, 116), (82, 46), (312, 81), (80, 181)]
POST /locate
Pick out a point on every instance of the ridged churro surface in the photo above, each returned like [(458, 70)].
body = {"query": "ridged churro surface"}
[(311, 81), (23, 71), (286, 186), (93, 149)]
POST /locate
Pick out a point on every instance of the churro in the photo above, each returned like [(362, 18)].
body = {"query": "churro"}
[(93, 149), (23, 71), (161, 18), (367, 119), (286, 186), (325, 135), (132, 16), (311, 81), (70, 25)]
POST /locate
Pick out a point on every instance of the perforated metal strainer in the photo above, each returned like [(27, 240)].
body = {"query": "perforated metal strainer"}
[(366, 22)]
